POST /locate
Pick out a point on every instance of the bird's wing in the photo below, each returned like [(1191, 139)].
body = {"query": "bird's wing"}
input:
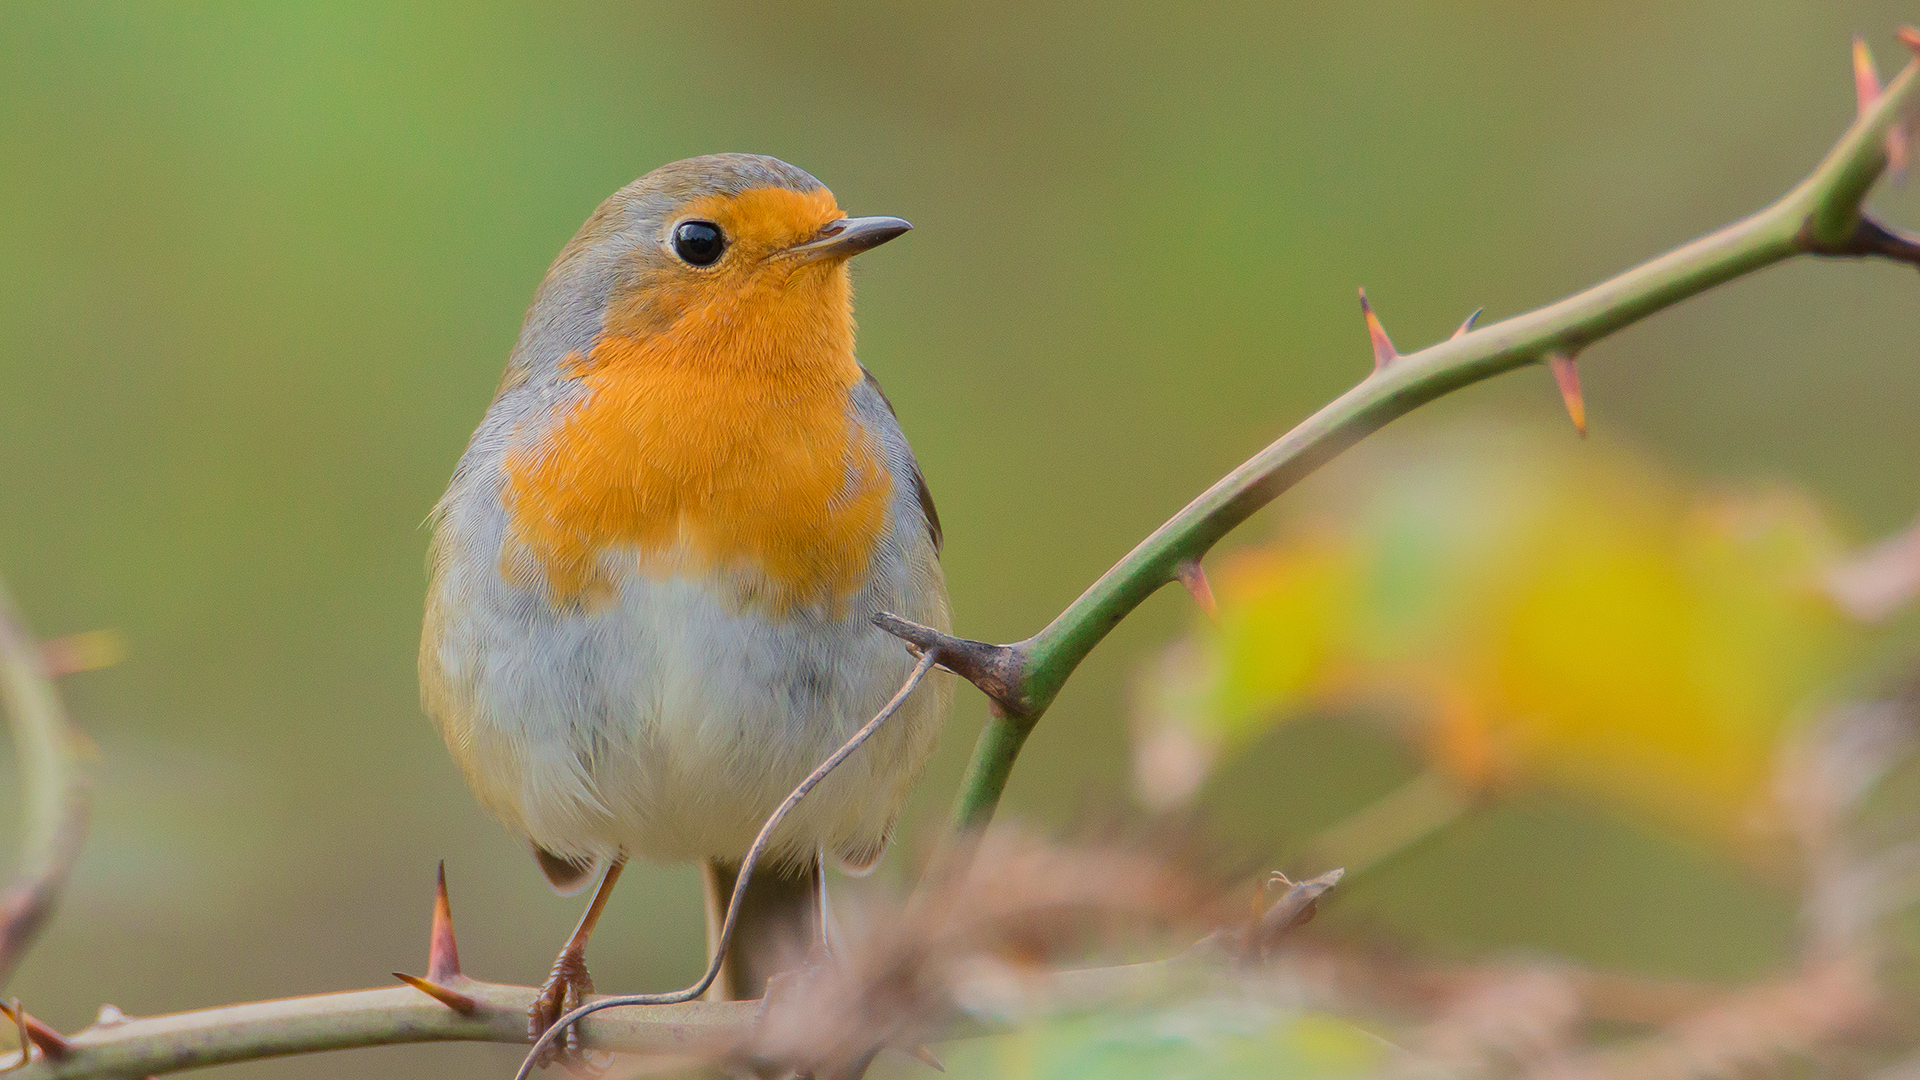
[(919, 482)]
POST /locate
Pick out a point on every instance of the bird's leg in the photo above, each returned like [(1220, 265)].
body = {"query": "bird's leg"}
[(569, 984)]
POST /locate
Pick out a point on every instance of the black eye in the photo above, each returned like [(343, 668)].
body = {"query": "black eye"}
[(699, 242)]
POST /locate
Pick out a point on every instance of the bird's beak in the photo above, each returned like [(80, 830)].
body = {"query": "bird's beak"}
[(848, 237)]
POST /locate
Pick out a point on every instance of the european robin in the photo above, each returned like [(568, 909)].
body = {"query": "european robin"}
[(654, 571)]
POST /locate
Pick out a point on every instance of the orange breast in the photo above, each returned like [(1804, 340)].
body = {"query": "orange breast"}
[(722, 446)]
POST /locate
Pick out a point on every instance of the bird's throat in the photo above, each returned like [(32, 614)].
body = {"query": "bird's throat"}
[(722, 448)]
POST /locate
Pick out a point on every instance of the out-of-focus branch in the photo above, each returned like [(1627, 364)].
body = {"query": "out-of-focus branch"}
[(1398, 820), (1823, 215), (1836, 1006), (49, 749)]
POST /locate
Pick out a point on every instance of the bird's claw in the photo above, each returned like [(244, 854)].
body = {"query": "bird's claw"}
[(566, 989)]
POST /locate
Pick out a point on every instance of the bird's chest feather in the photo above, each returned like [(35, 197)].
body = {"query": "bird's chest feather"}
[(696, 465)]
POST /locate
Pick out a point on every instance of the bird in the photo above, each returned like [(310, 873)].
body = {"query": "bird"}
[(653, 575)]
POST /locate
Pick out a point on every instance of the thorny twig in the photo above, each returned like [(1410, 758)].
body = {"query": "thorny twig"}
[(1823, 215), (1014, 888)]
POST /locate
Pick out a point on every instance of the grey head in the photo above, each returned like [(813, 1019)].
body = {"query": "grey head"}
[(622, 238)]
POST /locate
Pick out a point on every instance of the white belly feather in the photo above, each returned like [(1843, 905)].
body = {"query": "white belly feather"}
[(670, 726)]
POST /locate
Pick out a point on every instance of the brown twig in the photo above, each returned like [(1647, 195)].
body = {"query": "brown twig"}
[(995, 669)]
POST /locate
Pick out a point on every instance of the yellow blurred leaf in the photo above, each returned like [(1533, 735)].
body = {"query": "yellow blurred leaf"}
[(1530, 613)]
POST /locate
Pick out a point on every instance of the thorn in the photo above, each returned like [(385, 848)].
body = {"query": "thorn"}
[(452, 999), (924, 1055), (1468, 325), (1866, 81), (1866, 91), (1193, 576), (443, 956), (1899, 135), (50, 1042), (1568, 377), (1383, 351)]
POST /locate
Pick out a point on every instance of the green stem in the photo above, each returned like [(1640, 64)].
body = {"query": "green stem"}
[(986, 777), (1821, 214)]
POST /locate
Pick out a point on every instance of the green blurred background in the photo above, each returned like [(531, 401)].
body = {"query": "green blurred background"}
[(260, 267)]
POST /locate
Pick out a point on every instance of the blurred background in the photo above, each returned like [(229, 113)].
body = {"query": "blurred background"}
[(260, 268)]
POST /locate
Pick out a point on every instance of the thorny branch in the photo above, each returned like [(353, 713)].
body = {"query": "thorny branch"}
[(1822, 216), (448, 1005)]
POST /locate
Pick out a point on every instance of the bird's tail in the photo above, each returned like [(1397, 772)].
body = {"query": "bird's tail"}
[(780, 919)]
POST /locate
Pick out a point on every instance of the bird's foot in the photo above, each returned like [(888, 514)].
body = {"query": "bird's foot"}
[(566, 989)]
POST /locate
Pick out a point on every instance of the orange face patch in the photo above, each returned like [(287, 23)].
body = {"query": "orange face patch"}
[(765, 220), (715, 432)]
